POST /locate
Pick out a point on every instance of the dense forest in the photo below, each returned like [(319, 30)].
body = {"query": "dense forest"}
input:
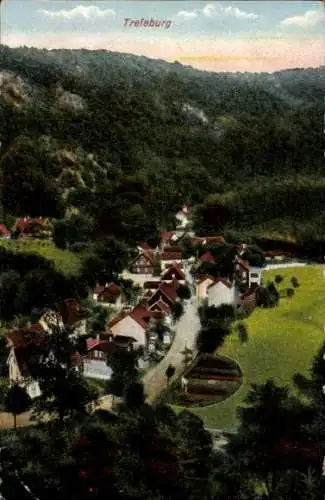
[(114, 143)]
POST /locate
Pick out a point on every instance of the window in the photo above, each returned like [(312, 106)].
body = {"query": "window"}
[(254, 275)]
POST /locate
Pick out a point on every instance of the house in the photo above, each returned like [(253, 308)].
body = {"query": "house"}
[(277, 255), (182, 218), (242, 270), (173, 271), (67, 313), (94, 363), (107, 294), (4, 232), (26, 347), (133, 324), (145, 246), (38, 227), (167, 293), (144, 263), (221, 291)]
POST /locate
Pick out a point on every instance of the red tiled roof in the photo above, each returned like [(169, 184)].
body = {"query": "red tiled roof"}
[(150, 285), (207, 257), (173, 270), (142, 315), (21, 338), (3, 230), (101, 345), (169, 290), (171, 256), (111, 288)]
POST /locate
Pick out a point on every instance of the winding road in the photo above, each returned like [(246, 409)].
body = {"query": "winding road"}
[(186, 329)]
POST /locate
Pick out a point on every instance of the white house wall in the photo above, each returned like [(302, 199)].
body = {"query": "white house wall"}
[(220, 294), (128, 327)]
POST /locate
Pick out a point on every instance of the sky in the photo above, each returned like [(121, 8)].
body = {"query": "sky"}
[(216, 36)]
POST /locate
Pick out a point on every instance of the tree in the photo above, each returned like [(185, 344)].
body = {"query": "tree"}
[(295, 282), (177, 310), (17, 401), (65, 392), (290, 292), (125, 372), (184, 292), (157, 266), (278, 279), (170, 372), (272, 423), (241, 331)]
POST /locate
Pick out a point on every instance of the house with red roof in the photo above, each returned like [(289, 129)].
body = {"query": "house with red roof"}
[(95, 361), (37, 227), (144, 263), (4, 232), (27, 346), (108, 294), (166, 292), (173, 271)]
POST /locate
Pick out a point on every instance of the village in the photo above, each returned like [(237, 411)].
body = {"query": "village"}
[(170, 285)]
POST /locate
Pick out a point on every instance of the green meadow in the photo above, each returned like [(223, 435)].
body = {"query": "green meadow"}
[(282, 341), (64, 261)]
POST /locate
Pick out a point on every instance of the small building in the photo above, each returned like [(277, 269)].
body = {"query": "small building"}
[(170, 258), (144, 263), (108, 294), (220, 292), (4, 232), (255, 276), (95, 362)]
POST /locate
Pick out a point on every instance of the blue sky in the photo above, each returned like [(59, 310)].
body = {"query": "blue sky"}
[(219, 35)]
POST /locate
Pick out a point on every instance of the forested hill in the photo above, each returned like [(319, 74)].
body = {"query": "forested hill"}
[(123, 141)]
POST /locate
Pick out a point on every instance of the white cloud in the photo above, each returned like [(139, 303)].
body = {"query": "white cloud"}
[(309, 19), (239, 14), (217, 10), (209, 10), (185, 14), (82, 11)]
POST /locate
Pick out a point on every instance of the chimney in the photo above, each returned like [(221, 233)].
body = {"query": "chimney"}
[(106, 285), (98, 337)]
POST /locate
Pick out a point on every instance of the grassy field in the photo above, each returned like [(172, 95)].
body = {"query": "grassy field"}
[(282, 341), (64, 261)]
